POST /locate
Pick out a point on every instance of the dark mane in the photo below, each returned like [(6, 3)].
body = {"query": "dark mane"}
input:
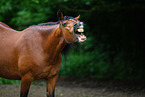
[(55, 23), (48, 23)]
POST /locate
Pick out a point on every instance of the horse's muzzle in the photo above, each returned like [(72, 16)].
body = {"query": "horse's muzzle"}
[(79, 29)]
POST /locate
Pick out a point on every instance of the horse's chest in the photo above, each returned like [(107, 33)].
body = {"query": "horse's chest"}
[(47, 72)]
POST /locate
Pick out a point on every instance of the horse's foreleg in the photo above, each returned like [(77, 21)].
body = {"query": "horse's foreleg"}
[(25, 85), (51, 82)]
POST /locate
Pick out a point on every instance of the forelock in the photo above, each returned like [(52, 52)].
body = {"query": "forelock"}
[(68, 17)]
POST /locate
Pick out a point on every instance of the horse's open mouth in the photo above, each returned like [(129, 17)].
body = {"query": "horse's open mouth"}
[(79, 29), (80, 36)]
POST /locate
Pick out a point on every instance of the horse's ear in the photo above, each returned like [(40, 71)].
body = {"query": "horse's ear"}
[(77, 17), (59, 15)]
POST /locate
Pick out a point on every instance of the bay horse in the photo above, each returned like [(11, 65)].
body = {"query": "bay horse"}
[(34, 53)]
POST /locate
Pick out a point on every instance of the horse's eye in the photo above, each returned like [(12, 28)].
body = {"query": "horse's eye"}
[(64, 24)]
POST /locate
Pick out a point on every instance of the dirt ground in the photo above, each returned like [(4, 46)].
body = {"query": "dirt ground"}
[(81, 88)]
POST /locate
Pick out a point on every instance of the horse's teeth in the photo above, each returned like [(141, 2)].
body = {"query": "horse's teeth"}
[(80, 30)]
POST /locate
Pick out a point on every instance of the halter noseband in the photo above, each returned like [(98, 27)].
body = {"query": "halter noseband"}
[(78, 27)]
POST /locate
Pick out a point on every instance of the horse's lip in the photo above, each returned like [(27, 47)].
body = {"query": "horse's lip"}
[(79, 34), (81, 37)]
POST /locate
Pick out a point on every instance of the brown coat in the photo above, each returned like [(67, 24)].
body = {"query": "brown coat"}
[(34, 53)]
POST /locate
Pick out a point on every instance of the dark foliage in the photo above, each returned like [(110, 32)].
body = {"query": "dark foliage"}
[(115, 29)]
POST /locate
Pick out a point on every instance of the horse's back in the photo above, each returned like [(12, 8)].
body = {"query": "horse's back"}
[(5, 25), (7, 34), (4, 28)]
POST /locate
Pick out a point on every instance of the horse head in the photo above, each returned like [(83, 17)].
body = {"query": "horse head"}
[(72, 29)]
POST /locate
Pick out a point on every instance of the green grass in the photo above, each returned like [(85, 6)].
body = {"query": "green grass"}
[(6, 81)]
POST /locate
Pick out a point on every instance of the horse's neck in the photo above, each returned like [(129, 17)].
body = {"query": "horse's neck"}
[(53, 41)]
